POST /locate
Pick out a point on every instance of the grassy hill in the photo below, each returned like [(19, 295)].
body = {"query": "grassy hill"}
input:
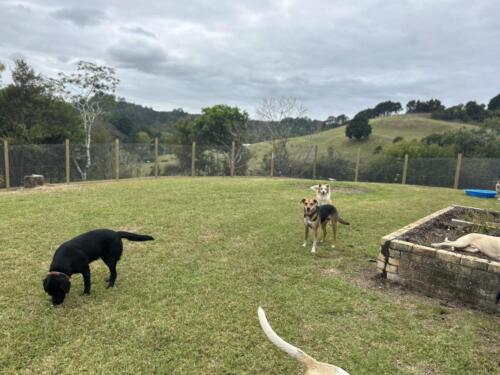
[(385, 129)]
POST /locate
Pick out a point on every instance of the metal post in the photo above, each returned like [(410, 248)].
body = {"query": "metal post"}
[(193, 160), (117, 159), (315, 160), (157, 160), (273, 156), (7, 163), (405, 170), (356, 171), (68, 170), (233, 147), (457, 171)]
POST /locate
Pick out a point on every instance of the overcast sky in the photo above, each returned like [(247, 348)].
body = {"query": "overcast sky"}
[(335, 56)]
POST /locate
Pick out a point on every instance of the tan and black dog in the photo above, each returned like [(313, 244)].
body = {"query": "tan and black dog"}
[(316, 216)]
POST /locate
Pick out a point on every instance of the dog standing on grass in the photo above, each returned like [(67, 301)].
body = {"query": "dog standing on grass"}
[(323, 193), (313, 367), (316, 216), (75, 255), (497, 188)]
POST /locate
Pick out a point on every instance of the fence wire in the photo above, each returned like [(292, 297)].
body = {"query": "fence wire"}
[(431, 172), (2, 168), (297, 161), (102, 162), (137, 160), (479, 173), (47, 160)]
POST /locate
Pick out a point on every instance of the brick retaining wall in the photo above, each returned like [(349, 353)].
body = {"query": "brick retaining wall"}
[(440, 273)]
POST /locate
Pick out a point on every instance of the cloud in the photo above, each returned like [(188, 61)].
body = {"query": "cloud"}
[(335, 56), (139, 31), (81, 16)]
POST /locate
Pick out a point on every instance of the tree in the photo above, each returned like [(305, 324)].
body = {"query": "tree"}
[(424, 107), (358, 128), (494, 103), (88, 89), (30, 113), (2, 68), (387, 108), (476, 112), (276, 113), (216, 128)]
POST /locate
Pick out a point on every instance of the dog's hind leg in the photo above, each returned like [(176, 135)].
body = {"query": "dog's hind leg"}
[(334, 229), (323, 226), (111, 263)]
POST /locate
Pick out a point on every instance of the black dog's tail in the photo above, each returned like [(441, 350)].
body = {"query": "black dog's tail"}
[(135, 237), (342, 221)]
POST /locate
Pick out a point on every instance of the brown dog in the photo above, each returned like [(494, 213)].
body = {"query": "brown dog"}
[(313, 367), (316, 216)]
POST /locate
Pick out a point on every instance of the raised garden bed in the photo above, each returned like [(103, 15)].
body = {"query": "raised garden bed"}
[(407, 258)]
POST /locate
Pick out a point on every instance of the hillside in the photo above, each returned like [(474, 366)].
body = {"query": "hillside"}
[(385, 129)]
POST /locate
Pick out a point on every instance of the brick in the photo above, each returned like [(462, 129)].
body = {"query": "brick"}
[(494, 267), (397, 254), (474, 262), (380, 265), (402, 246), (424, 250), (394, 262), (381, 258), (415, 258), (394, 277), (485, 279), (448, 256)]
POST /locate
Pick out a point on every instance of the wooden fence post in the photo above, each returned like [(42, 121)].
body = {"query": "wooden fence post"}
[(7, 163), (66, 152), (233, 149), (117, 159), (356, 171), (457, 171), (193, 160), (273, 156), (315, 161), (157, 160), (405, 170)]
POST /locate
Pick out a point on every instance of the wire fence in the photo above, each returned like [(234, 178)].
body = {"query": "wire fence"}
[(62, 163)]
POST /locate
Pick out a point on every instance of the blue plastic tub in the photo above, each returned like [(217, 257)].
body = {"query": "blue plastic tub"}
[(481, 193)]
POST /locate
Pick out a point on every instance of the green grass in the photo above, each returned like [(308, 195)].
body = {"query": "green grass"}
[(186, 303), (384, 130)]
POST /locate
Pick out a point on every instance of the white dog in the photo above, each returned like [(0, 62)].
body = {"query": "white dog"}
[(475, 242), (497, 188), (313, 367), (323, 193)]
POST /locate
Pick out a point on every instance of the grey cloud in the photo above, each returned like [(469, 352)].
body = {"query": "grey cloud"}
[(81, 16), (335, 56), (139, 31), (144, 57)]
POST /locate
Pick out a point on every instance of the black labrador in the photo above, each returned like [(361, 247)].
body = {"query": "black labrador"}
[(75, 255)]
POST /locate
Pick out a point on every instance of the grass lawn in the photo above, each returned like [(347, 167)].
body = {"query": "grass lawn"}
[(186, 303)]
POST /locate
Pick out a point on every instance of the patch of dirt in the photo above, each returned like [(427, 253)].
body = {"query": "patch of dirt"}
[(441, 227)]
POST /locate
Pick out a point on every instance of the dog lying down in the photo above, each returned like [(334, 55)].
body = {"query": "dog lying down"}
[(474, 243), (313, 367), (74, 256)]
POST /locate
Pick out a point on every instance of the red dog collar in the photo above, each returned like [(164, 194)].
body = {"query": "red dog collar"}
[(56, 273)]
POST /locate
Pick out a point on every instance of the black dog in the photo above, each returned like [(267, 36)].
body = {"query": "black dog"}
[(75, 256)]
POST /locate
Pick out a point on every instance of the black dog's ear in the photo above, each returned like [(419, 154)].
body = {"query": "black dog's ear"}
[(45, 282), (315, 201), (303, 200), (66, 285)]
